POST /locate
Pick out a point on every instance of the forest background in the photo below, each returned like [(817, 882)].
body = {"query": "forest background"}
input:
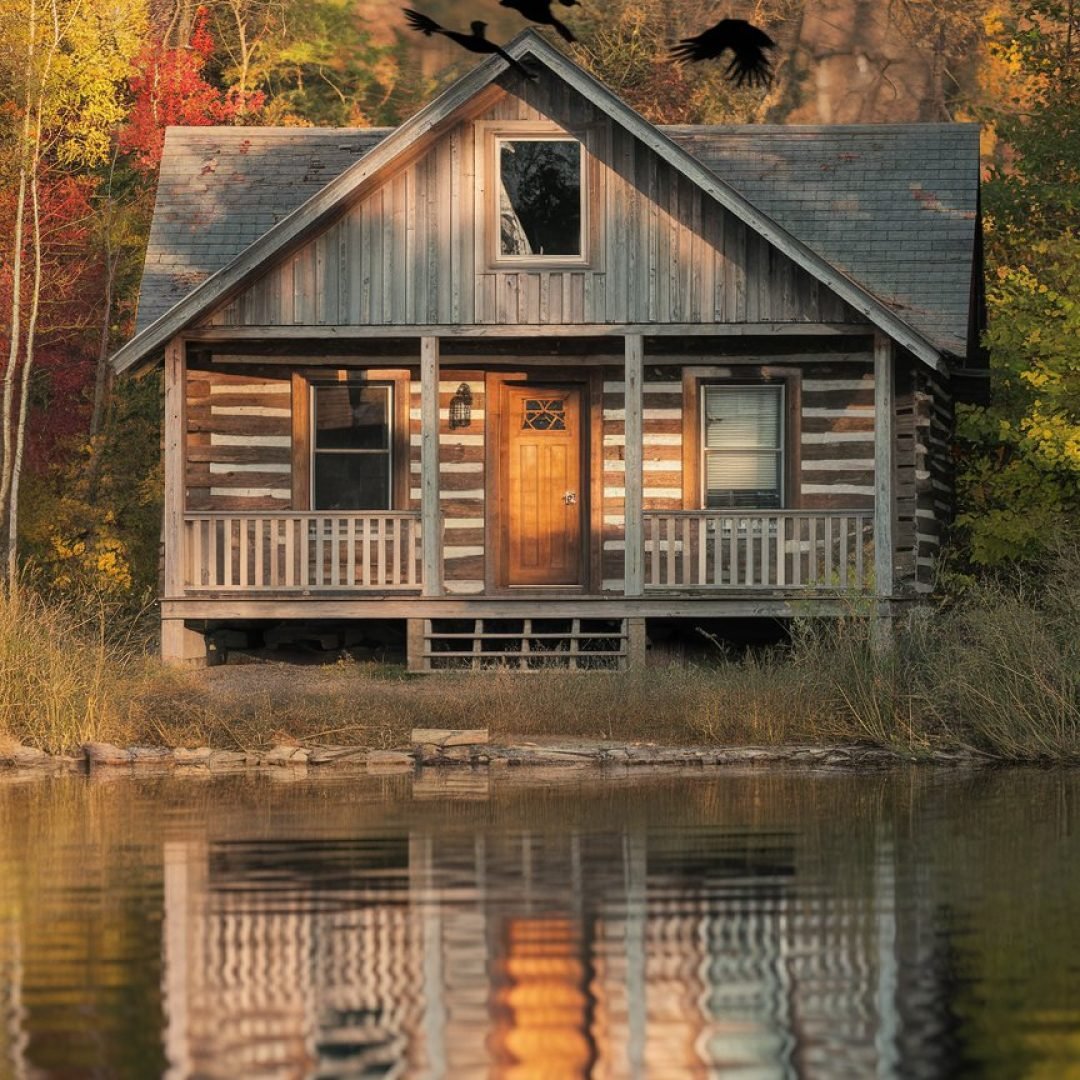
[(87, 88)]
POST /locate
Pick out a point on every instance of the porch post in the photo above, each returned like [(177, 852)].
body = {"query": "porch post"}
[(430, 517), (884, 466), (634, 374), (178, 644)]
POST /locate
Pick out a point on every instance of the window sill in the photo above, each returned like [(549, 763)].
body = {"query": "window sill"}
[(541, 263)]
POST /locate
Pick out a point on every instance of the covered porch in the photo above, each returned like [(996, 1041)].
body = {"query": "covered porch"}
[(675, 561)]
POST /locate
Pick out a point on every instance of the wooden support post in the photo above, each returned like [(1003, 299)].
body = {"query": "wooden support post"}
[(884, 467), (174, 463), (634, 568), (430, 516), (416, 645), (180, 646), (636, 641)]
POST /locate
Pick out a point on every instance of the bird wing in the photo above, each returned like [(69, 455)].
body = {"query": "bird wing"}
[(418, 21), (746, 41)]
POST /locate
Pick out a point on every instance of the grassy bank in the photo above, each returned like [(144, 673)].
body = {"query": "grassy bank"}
[(997, 670)]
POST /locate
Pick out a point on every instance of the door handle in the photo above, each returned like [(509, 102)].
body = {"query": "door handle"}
[(570, 498)]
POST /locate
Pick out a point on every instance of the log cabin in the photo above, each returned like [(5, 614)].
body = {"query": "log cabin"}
[(528, 373)]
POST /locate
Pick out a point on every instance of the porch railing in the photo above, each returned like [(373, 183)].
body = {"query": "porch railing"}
[(248, 552), (789, 550)]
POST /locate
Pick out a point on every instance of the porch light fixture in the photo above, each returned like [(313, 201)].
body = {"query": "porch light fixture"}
[(461, 407)]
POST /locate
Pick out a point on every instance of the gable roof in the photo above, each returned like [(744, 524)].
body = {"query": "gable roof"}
[(304, 160)]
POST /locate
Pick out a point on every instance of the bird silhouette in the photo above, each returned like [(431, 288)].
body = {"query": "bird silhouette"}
[(539, 11), (749, 64), (475, 42)]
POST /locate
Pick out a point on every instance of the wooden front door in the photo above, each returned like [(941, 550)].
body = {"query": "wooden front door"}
[(543, 496)]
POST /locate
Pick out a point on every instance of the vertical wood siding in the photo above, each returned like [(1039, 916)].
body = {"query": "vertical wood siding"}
[(411, 251), (239, 443)]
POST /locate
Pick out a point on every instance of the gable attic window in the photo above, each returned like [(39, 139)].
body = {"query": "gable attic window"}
[(351, 450), (742, 446), (541, 209)]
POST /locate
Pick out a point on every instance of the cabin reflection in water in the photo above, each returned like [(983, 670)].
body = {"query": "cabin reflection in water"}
[(528, 955)]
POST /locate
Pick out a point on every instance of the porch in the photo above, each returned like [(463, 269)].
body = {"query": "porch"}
[(639, 552)]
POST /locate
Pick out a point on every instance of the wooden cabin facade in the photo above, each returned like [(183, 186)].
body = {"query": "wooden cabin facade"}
[(529, 371)]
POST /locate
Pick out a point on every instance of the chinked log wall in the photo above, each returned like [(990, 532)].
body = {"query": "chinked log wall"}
[(239, 455), (835, 452)]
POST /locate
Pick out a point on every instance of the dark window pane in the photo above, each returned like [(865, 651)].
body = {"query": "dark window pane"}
[(352, 416), (352, 481), (544, 414), (540, 197)]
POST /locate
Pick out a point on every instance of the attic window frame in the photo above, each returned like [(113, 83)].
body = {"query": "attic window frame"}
[(491, 136)]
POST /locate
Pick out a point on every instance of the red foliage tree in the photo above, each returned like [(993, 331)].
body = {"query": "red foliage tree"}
[(64, 354), (170, 89)]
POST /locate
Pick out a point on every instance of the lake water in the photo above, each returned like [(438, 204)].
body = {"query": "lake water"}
[(916, 923)]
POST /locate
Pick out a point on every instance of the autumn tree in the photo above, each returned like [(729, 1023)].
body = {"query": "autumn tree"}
[(1020, 475), (314, 61), (625, 44), (63, 75)]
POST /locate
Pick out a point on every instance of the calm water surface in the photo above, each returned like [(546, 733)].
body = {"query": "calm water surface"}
[(764, 924)]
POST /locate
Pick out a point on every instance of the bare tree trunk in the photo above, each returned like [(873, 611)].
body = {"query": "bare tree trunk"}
[(101, 377), (16, 284), (28, 363), (13, 474)]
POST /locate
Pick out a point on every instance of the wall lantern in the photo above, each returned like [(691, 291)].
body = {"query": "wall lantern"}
[(461, 407)]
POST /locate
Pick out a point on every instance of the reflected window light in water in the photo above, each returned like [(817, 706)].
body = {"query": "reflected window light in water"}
[(668, 926)]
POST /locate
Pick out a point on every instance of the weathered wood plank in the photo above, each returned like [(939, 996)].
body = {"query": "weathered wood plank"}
[(634, 375), (430, 515), (884, 462)]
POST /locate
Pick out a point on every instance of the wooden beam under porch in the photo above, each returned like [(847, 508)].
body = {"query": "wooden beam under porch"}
[(678, 606)]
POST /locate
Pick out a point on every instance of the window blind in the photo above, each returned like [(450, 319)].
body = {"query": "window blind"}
[(743, 446)]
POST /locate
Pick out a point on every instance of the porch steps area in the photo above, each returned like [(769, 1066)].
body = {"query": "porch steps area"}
[(569, 644)]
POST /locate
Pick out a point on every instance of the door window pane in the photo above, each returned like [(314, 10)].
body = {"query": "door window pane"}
[(743, 446), (539, 197), (351, 457)]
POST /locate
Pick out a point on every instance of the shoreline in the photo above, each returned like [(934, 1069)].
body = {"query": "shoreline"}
[(601, 756)]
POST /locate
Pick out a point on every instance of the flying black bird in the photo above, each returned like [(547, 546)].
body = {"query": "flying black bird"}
[(475, 42), (749, 64), (539, 11)]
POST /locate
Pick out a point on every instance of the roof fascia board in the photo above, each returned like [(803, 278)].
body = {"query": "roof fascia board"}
[(599, 95), (294, 226)]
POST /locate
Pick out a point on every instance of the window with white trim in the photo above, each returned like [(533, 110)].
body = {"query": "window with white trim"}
[(540, 199), (351, 446), (742, 446)]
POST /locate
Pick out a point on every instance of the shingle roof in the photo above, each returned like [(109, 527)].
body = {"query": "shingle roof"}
[(893, 207), (221, 188)]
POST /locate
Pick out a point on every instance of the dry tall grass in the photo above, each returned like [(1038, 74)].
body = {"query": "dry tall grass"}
[(61, 678), (998, 670)]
